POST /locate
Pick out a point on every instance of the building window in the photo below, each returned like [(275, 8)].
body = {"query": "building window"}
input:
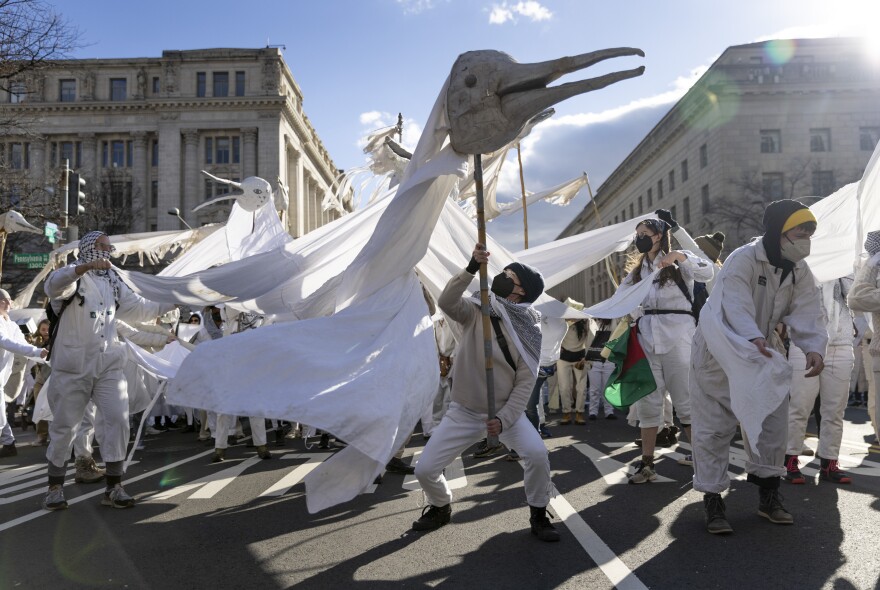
[(118, 89), (705, 204), (704, 156), (239, 83), (70, 151), (66, 90), (615, 220), (200, 84), (672, 211), (820, 140), (868, 137), (650, 198), (641, 208), (221, 83), (772, 188), (823, 183), (671, 180), (684, 170), (686, 205), (154, 158), (19, 156), (17, 92), (632, 210), (222, 150), (154, 194), (771, 141), (156, 85), (116, 153), (660, 189), (623, 215)]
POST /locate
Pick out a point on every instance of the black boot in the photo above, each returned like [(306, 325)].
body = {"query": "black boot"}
[(541, 526), (433, 517), (770, 504), (280, 440), (8, 450), (716, 520)]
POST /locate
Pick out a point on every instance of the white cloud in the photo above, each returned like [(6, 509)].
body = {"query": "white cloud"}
[(416, 6), (530, 9), (373, 120)]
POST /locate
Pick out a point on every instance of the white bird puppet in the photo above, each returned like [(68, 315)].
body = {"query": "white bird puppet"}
[(13, 221), (253, 192)]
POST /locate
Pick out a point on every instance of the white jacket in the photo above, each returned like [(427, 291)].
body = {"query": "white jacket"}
[(12, 342)]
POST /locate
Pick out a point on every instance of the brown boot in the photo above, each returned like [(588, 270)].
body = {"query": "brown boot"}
[(566, 419), (219, 456), (579, 418), (263, 452), (87, 471)]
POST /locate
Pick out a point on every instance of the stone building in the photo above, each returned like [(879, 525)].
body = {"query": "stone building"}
[(141, 130), (770, 120)]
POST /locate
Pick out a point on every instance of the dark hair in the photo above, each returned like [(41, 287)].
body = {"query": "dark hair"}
[(670, 273)]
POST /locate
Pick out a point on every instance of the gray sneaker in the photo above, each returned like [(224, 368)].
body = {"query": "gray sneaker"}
[(117, 497), (55, 498), (87, 471), (644, 473)]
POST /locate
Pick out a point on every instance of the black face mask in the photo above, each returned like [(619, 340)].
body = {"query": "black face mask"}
[(644, 243), (502, 285)]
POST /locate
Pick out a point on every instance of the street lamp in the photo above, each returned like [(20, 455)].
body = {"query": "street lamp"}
[(175, 212)]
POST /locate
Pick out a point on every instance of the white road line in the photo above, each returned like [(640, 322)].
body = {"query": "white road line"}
[(28, 517), (612, 471), (296, 475), (15, 473), (612, 566)]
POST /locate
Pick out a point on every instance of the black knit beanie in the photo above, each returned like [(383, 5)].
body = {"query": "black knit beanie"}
[(775, 216), (530, 278)]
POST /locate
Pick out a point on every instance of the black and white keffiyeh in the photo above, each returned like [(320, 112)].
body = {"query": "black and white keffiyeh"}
[(872, 242), (89, 253), (523, 323)]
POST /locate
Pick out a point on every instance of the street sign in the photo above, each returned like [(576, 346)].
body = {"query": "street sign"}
[(34, 260), (50, 229)]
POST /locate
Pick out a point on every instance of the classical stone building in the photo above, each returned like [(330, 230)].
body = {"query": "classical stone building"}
[(141, 130), (777, 119)]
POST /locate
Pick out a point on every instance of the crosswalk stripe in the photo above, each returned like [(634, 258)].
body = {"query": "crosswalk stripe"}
[(612, 471), (296, 475), (15, 473)]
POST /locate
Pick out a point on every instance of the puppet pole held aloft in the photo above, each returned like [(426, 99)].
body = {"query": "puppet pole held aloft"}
[(484, 297)]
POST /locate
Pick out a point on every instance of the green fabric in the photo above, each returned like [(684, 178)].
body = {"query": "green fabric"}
[(632, 378)]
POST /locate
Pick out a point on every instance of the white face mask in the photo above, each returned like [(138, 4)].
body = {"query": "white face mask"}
[(795, 250)]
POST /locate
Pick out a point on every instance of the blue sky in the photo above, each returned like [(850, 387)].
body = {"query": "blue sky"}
[(360, 62)]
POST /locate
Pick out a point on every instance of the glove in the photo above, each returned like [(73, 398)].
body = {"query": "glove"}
[(473, 266), (666, 215)]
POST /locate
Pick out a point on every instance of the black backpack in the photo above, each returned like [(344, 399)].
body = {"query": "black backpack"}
[(698, 300)]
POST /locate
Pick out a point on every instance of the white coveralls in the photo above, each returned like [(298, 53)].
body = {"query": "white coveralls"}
[(12, 343), (666, 340), (833, 382), (752, 302), (865, 296), (88, 361), (465, 421)]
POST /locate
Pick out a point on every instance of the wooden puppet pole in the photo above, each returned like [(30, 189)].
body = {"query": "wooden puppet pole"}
[(522, 185)]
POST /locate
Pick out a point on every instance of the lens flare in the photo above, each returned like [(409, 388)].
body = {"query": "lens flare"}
[(780, 51)]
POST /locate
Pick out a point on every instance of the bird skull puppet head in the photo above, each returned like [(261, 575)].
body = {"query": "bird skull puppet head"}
[(13, 221), (491, 97), (251, 193)]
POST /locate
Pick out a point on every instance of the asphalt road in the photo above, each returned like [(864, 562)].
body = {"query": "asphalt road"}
[(244, 524)]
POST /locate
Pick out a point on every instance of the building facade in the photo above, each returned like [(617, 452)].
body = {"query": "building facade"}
[(771, 120), (139, 131)]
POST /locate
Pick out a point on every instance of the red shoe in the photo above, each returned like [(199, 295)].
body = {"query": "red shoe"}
[(792, 471), (830, 471)]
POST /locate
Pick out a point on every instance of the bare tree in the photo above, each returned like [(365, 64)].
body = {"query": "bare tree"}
[(32, 36)]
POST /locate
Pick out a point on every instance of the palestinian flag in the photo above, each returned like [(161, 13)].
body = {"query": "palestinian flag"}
[(632, 378)]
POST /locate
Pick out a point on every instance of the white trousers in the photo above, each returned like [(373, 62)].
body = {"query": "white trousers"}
[(85, 434), (68, 396), (872, 372), (6, 436), (714, 425), (670, 371), (571, 379), (459, 429), (833, 385), (225, 426), (600, 372)]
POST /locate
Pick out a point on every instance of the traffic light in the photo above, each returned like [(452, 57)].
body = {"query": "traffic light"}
[(75, 195)]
